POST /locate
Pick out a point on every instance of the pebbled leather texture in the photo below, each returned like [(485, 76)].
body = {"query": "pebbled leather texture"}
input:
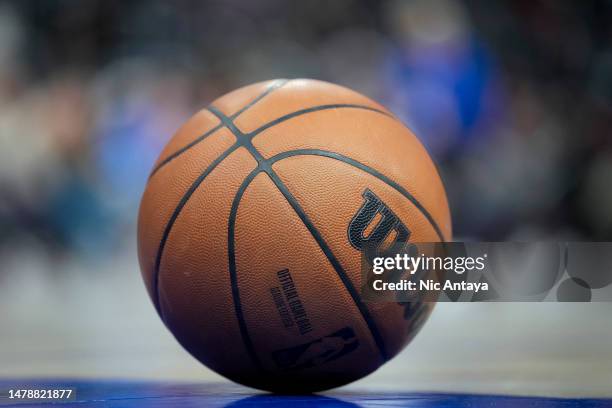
[(243, 238)]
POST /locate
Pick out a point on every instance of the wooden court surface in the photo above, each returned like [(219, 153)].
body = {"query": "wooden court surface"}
[(94, 328)]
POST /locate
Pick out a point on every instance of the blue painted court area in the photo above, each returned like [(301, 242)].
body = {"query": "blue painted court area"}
[(128, 394)]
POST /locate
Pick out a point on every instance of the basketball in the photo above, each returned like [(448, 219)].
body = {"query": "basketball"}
[(253, 221)]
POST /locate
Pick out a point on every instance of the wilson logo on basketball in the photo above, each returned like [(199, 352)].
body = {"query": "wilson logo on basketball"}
[(373, 223)]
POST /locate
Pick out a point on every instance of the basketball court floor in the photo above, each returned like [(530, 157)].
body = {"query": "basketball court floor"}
[(92, 328), (130, 394)]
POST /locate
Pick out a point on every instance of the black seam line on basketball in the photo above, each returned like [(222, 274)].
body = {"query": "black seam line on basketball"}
[(184, 149), (245, 139), (241, 138), (274, 86), (264, 165), (173, 218), (231, 250), (315, 109), (267, 125), (367, 169), (240, 142), (346, 281)]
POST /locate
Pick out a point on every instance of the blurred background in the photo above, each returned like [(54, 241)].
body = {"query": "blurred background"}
[(513, 99)]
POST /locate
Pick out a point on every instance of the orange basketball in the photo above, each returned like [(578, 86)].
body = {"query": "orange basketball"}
[(251, 225)]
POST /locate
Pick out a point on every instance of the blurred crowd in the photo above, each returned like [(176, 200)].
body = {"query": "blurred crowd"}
[(512, 98)]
